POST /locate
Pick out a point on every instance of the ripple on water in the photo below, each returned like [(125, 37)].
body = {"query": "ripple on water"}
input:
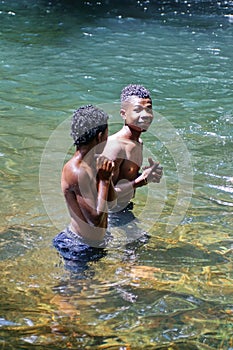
[(177, 287), (16, 240)]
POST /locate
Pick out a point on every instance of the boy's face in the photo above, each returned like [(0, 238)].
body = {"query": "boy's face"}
[(137, 113)]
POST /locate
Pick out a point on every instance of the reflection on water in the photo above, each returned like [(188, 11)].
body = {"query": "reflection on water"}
[(167, 291), (172, 290), (16, 240)]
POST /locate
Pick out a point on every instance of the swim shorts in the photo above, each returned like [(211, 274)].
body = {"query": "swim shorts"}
[(71, 246), (121, 217)]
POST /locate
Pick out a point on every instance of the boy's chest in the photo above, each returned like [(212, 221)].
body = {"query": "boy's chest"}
[(131, 163), (129, 170), (133, 153)]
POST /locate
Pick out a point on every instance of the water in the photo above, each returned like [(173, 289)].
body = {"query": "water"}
[(174, 291)]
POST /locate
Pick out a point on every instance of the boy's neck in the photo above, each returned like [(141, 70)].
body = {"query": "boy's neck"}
[(86, 152), (130, 133)]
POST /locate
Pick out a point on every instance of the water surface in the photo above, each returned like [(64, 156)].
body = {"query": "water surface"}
[(175, 290)]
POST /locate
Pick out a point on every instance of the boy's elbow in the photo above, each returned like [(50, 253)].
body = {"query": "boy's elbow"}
[(99, 220)]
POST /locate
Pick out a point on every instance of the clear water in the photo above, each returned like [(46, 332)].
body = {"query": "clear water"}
[(174, 291)]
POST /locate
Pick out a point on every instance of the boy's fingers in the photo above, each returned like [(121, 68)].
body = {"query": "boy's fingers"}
[(108, 165), (152, 163), (156, 165), (159, 170), (150, 160)]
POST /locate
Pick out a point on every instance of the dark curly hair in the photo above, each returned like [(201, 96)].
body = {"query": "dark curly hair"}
[(134, 90), (87, 122)]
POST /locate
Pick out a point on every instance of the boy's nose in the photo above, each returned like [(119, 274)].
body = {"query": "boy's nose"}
[(147, 118)]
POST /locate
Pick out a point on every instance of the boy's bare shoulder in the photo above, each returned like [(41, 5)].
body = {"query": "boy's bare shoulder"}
[(114, 147), (117, 140), (74, 171), (114, 137)]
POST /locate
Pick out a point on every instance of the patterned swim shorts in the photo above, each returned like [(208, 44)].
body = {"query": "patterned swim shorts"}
[(71, 246)]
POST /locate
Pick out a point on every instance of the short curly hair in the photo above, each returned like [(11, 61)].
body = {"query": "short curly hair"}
[(134, 90), (87, 122)]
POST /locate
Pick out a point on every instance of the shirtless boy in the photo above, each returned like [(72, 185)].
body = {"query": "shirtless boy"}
[(86, 184), (125, 146)]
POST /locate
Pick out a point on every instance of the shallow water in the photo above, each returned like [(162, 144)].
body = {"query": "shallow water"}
[(173, 291)]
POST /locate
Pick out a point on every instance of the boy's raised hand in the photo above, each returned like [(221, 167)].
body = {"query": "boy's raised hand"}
[(104, 168), (152, 172)]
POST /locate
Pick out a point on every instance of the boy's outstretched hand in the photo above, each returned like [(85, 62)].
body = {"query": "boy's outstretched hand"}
[(152, 172)]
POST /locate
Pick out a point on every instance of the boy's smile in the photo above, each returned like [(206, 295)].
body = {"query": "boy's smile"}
[(138, 113)]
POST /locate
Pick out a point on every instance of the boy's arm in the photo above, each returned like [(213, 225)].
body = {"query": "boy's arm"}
[(113, 151), (125, 188), (91, 199), (151, 173), (112, 196), (104, 176), (92, 192)]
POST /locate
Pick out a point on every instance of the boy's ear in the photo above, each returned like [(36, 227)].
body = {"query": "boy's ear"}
[(122, 113), (99, 137)]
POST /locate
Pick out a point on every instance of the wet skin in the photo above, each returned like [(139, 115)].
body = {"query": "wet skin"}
[(125, 149)]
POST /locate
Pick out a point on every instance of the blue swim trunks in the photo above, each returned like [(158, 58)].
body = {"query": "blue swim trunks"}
[(122, 217), (71, 246)]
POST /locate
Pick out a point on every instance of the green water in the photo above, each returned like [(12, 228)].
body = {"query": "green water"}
[(176, 290)]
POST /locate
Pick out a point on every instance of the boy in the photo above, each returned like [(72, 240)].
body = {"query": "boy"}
[(125, 146), (87, 186)]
